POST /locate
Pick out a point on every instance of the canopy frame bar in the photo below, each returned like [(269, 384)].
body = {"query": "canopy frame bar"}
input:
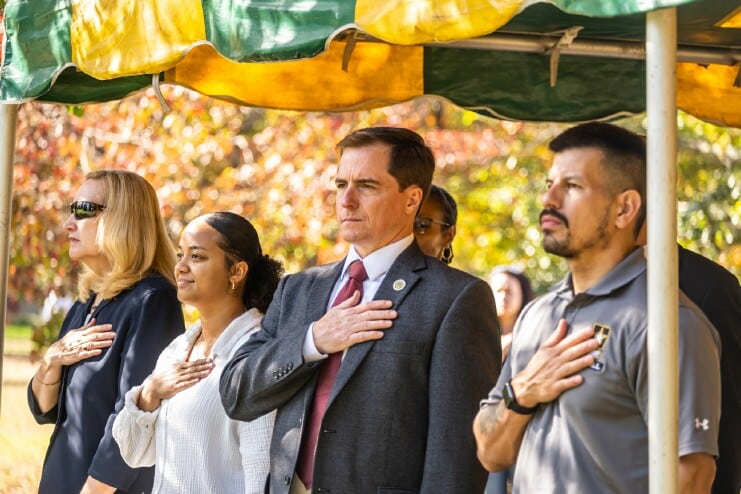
[(545, 43), (663, 267), (631, 50), (8, 119)]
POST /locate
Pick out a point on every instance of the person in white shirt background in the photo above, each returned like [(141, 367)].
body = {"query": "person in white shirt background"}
[(175, 419)]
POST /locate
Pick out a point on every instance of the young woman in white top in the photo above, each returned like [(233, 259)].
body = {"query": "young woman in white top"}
[(175, 420)]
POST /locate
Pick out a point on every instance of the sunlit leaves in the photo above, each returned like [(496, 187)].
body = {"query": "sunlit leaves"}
[(276, 168)]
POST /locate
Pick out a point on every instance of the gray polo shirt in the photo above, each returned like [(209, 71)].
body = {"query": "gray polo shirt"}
[(594, 438)]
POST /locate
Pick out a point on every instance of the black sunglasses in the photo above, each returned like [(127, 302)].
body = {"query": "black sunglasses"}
[(423, 223), (85, 209)]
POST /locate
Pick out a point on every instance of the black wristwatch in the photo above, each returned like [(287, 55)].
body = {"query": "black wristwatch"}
[(510, 401)]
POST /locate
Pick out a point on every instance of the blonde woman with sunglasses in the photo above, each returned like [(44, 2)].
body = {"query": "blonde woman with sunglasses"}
[(127, 311)]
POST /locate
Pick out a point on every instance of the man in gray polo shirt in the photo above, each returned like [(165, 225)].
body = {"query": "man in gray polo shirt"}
[(571, 405)]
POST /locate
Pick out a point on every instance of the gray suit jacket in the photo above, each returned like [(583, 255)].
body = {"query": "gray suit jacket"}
[(399, 419)]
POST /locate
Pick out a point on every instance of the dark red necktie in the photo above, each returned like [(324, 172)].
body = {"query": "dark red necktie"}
[(327, 375)]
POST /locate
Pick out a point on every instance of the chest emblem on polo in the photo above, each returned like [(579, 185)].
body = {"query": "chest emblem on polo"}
[(601, 334)]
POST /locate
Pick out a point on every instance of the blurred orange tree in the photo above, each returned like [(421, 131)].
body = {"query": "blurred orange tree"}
[(276, 168)]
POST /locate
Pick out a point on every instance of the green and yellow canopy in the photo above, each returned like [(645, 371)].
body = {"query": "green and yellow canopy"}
[(492, 56)]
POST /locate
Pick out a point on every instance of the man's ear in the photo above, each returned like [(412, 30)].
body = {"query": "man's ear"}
[(414, 199), (628, 207)]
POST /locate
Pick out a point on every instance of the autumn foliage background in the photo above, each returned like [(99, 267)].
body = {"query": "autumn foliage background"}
[(276, 169)]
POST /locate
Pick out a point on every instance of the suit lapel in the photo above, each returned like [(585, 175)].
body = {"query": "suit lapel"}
[(400, 280), (316, 307), (322, 284)]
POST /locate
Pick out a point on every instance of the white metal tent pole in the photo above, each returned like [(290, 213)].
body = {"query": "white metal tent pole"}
[(8, 118), (663, 375)]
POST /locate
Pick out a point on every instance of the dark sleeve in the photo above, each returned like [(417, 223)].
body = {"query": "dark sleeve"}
[(50, 417), (721, 303), (465, 365), (269, 368), (156, 321), (717, 293)]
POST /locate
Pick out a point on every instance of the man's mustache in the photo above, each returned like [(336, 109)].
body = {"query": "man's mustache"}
[(555, 214)]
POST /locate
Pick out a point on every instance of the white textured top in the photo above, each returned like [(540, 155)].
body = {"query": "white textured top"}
[(194, 446)]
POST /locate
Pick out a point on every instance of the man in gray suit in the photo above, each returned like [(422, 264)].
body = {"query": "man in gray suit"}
[(417, 340)]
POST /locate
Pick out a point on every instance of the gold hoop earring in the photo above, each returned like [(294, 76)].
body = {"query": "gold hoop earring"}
[(233, 287), (447, 254)]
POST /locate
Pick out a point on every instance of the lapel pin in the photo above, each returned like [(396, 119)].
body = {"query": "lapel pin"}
[(399, 285)]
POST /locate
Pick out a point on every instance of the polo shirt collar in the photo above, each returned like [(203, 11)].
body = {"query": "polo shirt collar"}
[(623, 273)]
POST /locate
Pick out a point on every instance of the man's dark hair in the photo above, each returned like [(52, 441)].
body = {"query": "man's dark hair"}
[(625, 156), (411, 161)]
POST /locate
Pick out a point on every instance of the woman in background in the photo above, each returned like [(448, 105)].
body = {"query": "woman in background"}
[(434, 227), (127, 311), (512, 292), (175, 420)]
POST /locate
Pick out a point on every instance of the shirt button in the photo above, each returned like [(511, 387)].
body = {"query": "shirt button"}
[(287, 480)]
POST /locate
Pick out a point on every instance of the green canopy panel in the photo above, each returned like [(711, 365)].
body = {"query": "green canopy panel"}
[(563, 60)]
